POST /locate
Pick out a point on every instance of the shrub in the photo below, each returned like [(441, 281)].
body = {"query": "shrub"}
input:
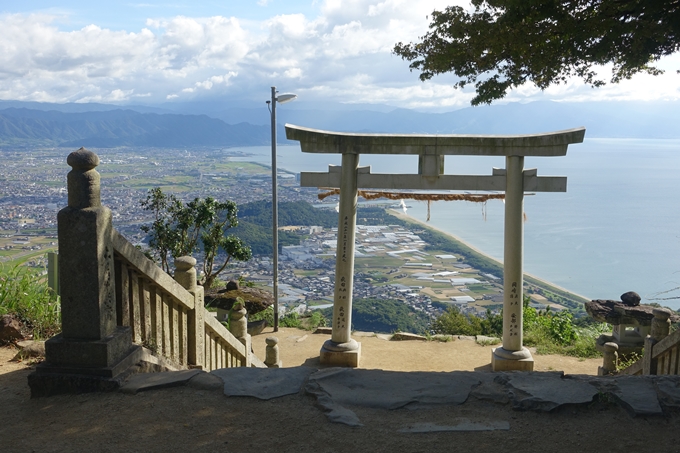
[(25, 295)]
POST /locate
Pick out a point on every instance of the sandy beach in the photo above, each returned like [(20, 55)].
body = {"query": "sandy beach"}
[(408, 218)]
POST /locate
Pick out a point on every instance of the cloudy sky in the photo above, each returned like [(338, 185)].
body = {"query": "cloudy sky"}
[(179, 50)]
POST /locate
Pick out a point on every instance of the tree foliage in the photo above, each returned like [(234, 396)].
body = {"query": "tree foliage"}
[(502, 44), (385, 315), (178, 228), (453, 322)]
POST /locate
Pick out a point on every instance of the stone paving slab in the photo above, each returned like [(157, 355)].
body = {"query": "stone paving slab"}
[(637, 395), (669, 391), (394, 389), (545, 391), (154, 381), (263, 383), (338, 389)]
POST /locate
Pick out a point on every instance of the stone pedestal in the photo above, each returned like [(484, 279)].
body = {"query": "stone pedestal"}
[(91, 353), (337, 355), (503, 360)]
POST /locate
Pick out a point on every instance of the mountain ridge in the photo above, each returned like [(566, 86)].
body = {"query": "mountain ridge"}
[(72, 125)]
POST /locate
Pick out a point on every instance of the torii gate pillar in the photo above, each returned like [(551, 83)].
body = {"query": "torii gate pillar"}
[(341, 349), (513, 355)]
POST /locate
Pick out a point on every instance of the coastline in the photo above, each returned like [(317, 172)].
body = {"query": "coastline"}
[(400, 215)]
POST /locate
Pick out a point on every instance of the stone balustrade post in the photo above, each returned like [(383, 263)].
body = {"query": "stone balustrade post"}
[(92, 353), (610, 359), (185, 275), (272, 358), (661, 323), (238, 326)]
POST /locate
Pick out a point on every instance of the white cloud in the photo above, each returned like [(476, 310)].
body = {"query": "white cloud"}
[(343, 54)]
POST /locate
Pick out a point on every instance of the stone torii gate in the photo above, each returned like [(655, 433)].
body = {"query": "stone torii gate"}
[(341, 349)]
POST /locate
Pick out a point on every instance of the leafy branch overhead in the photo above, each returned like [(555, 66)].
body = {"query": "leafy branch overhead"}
[(177, 229), (502, 44)]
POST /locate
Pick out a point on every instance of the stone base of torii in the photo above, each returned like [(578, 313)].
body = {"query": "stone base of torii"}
[(341, 349)]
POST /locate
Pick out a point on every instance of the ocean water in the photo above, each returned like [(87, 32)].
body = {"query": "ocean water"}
[(616, 229)]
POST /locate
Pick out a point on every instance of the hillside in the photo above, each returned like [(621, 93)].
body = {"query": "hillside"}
[(108, 129), (255, 222), (385, 316)]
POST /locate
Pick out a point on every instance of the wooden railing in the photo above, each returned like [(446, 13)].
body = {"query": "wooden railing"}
[(168, 315), (661, 351)]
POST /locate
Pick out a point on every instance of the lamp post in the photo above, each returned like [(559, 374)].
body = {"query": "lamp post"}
[(281, 99)]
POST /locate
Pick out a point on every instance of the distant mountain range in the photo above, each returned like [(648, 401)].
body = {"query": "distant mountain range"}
[(107, 129), (238, 124)]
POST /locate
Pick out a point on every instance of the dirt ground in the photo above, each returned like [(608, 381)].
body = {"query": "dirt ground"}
[(187, 419)]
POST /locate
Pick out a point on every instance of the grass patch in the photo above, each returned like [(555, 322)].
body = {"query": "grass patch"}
[(24, 294)]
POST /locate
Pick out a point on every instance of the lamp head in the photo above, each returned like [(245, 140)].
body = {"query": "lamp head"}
[(283, 98)]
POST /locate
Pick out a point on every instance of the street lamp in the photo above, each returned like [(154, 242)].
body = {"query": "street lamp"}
[(281, 99)]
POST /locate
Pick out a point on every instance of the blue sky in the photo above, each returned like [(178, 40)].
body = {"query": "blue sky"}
[(153, 52)]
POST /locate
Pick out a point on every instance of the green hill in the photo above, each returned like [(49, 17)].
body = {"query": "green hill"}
[(385, 316)]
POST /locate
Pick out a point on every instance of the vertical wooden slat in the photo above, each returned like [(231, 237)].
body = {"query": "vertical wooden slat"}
[(667, 362), (144, 304), (213, 355), (175, 331), (225, 364), (166, 324), (674, 361), (135, 318), (151, 315), (122, 293), (183, 337), (218, 354), (206, 352), (118, 291), (146, 313), (156, 317), (664, 364)]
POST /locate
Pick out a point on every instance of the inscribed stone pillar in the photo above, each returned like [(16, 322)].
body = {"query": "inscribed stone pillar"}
[(512, 355), (85, 254), (92, 353), (341, 349)]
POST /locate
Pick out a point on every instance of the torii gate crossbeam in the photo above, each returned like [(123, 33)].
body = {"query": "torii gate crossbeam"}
[(341, 349)]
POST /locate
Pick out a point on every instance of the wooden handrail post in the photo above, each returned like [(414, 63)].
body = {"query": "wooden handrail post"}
[(185, 275)]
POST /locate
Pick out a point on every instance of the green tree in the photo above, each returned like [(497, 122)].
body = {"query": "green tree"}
[(453, 322), (178, 228), (502, 44)]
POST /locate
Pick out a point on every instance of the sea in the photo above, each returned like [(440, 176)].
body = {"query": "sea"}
[(616, 229)]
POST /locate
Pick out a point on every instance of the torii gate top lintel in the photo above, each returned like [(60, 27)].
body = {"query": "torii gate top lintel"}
[(544, 144)]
